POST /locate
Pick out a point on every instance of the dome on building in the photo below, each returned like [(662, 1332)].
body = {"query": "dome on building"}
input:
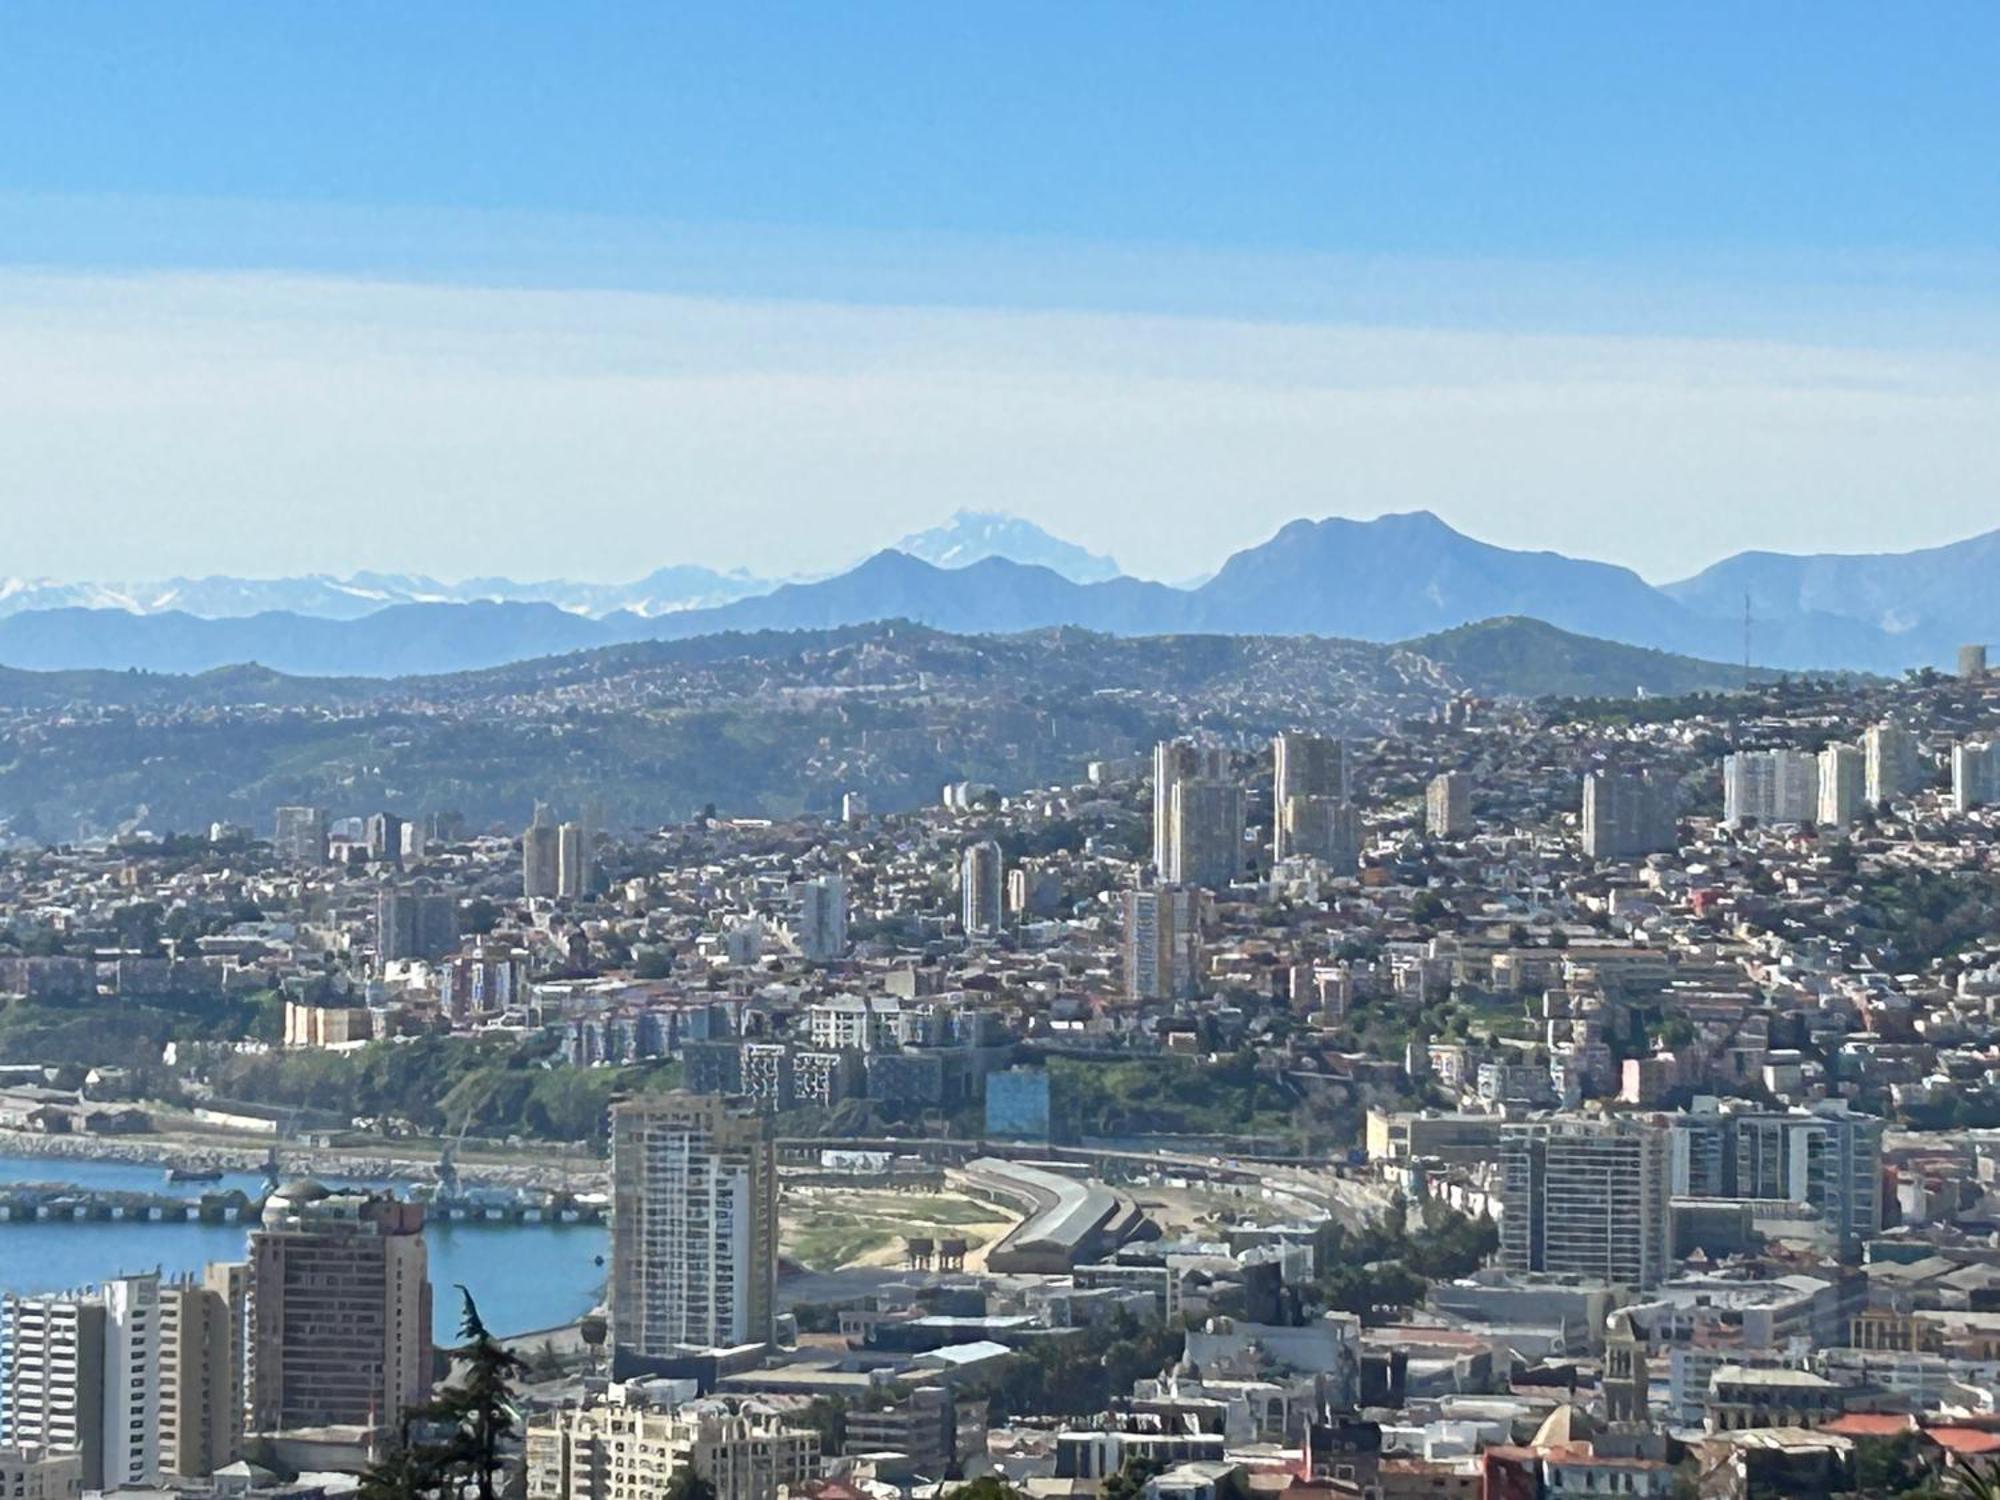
[(1563, 1426)]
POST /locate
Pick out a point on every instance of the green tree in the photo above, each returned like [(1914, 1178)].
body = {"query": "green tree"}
[(479, 1410), (688, 1483)]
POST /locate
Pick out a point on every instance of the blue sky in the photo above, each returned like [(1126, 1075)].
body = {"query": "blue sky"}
[(770, 284)]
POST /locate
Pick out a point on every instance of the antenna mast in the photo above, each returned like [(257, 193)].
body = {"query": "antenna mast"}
[(1746, 641)]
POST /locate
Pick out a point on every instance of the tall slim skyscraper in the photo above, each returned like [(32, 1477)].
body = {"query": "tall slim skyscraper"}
[(1162, 942), (1585, 1197), (982, 889), (821, 930), (574, 861), (1448, 805), (694, 1237), (1626, 816), (201, 1370), (1305, 766), (1843, 785), (541, 856), (81, 1371), (299, 837), (1205, 834), (1175, 761), (339, 1310), (1892, 765)]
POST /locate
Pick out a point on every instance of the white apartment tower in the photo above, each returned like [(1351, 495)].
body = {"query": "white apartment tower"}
[(1843, 785), (82, 1372), (1772, 786), (1891, 764), (694, 1230), (1975, 774), (982, 889)]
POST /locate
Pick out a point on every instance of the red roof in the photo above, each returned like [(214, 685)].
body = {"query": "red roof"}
[(1871, 1424), (1964, 1441)]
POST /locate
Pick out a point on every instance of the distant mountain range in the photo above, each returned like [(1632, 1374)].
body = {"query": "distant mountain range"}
[(972, 536), (1393, 578)]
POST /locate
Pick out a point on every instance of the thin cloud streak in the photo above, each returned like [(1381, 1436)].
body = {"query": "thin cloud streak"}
[(261, 424)]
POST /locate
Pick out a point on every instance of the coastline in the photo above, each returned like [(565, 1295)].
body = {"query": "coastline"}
[(296, 1161)]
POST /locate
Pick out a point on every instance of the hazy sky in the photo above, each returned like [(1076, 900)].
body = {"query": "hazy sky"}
[(586, 289)]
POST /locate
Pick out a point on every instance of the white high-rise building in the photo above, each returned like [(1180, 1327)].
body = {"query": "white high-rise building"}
[(1975, 774), (1843, 785), (694, 1229), (1892, 765), (1772, 786), (82, 1372), (821, 932), (982, 889), (574, 861), (1585, 1197)]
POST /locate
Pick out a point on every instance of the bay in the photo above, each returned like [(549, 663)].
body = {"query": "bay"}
[(525, 1276)]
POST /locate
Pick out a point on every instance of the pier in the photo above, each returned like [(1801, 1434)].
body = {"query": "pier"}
[(63, 1204)]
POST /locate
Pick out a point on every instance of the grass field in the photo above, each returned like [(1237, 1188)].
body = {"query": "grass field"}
[(826, 1229)]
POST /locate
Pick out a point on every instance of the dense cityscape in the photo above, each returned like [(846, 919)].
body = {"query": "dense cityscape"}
[(1083, 751), (1542, 1097)]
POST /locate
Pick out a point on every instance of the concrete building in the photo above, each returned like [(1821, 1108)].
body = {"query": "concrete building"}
[(1303, 765), (82, 1374), (575, 861), (1162, 942), (1585, 1197), (202, 1329), (1975, 774), (1448, 805), (625, 1449), (339, 1310), (1771, 786), (1843, 785), (28, 1472), (541, 856), (1327, 829), (821, 929), (1627, 816), (1971, 661), (1205, 834), (1175, 761), (415, 924), (1891, 761), (1827, 1157), (982, 889), (694, 1242), (299, 837)]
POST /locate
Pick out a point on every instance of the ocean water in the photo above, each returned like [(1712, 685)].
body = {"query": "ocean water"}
[(524, 1276)]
